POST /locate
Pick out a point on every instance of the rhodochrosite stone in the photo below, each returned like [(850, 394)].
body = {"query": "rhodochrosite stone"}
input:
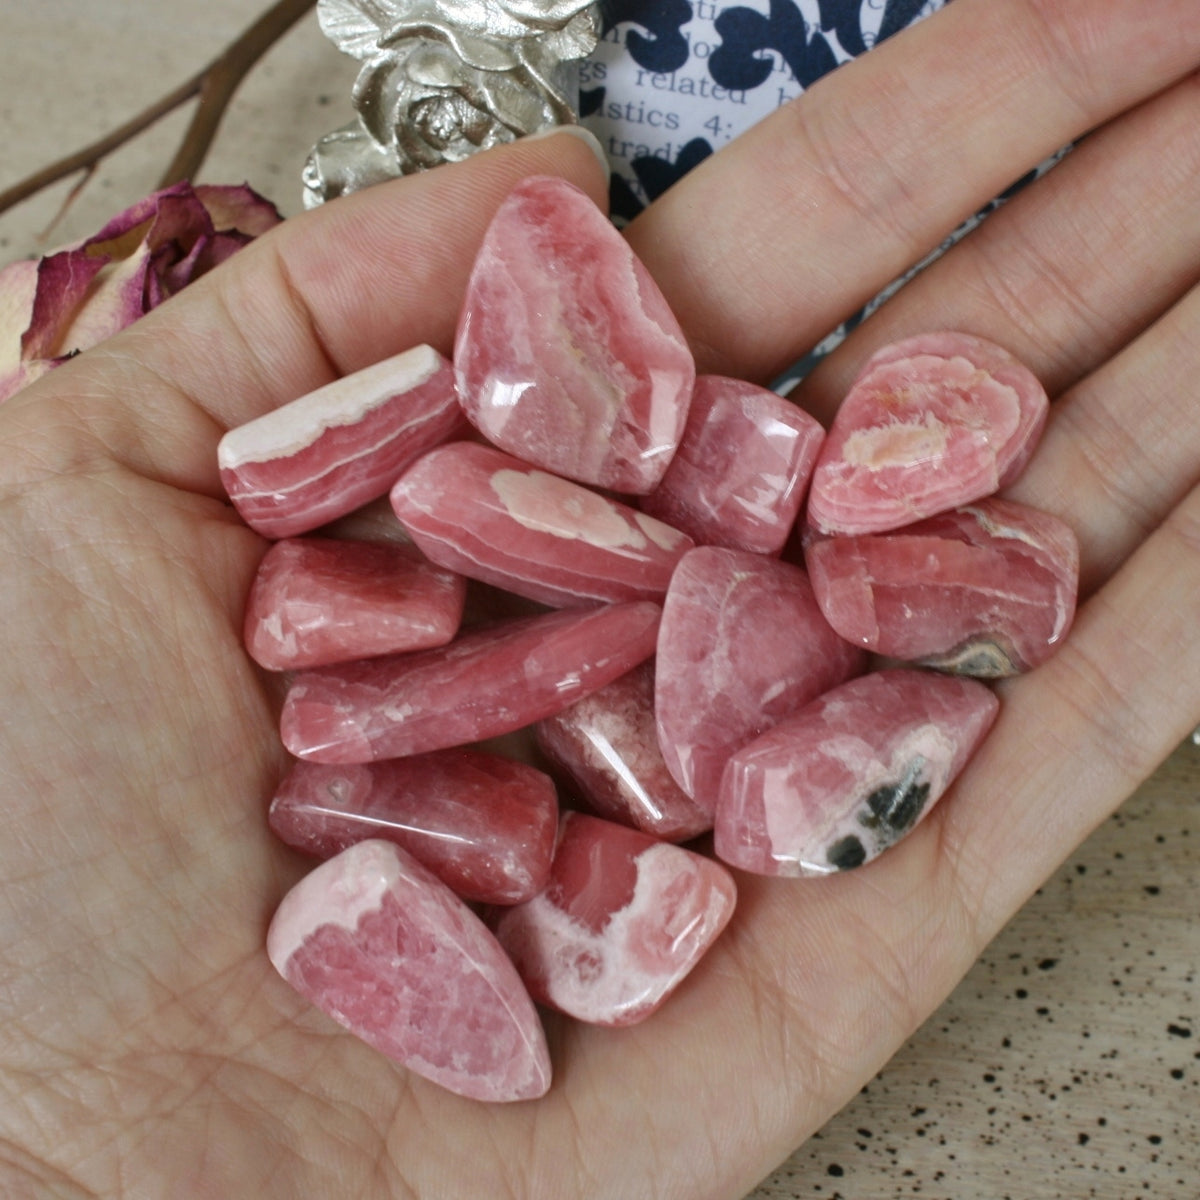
[(387, 950), (484, 825), (624, 919), (742, 646), (316, 601), (987, 590), (850, 774), (325, 454), (607, 744), (931, 423), (488, 682), (742, 467), (480, 511), (567, 354)]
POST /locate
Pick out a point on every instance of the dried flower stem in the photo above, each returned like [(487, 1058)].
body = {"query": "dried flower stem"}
[(214, 85)]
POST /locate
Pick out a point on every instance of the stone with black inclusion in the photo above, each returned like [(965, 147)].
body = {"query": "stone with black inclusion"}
[(891, 811), (898, 806), (852, 773), (986, 590), (848, 852)]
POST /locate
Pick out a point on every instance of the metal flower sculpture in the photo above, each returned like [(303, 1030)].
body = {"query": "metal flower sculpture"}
[(442, 79)]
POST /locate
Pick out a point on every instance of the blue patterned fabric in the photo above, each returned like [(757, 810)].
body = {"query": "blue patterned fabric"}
[(673, 80), (803, 39)]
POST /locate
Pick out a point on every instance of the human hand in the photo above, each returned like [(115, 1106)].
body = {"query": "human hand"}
[(149, 1049)]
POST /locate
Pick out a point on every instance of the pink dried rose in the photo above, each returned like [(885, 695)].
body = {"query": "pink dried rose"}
[(53, 307)]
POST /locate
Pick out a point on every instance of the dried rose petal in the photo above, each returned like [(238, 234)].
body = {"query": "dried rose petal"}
[(76, 297), (18, 286)]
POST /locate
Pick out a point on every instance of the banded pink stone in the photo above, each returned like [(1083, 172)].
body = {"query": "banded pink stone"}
[(488, 682), (607, 744), (376, 942), (484, 825), (316, 601), (321, 456), (987, 590), (623, 921), (742, 646), (742, 467), (479, 511), (931, 423), (567, 354), (850, 774)]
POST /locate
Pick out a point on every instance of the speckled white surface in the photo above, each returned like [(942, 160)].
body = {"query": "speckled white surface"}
[(1067, 1063)]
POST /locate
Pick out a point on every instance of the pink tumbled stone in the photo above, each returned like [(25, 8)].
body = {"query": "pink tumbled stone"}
[(607, 744), (567, 354), (484, 825), (623, 921), (850, 774), (742, 645), (479, 511), (987, 590), (322, 456), (488, 682), (931, 423), (316, 601), (742, 467), (376, 942)]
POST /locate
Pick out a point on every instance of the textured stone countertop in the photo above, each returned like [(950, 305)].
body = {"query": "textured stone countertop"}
[(1067, 1062)]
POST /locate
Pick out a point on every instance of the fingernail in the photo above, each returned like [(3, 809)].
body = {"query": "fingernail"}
[(576, 131)]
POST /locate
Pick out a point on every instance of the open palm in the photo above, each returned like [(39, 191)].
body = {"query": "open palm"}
[(147, 1047)]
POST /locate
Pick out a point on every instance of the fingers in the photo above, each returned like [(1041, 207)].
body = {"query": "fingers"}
[(374, 274), (324, 294), (767, 245), (1071, 268), (1068, 274), (1079, 734), (1122, 447)]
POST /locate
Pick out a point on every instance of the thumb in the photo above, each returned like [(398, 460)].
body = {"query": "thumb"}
[(320, 296)]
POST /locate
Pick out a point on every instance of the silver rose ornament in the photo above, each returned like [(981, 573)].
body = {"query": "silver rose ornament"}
[(442, 79)]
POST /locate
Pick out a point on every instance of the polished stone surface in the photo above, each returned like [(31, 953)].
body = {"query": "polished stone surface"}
[(742, 468), (987, 590), (607, 744), (850, 774), (478, 510), (488, 682), (624, 920), (931, 423), (742, 646), (484, 825), (384, 948), (322, 456), (316, 601), (567, 354)]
